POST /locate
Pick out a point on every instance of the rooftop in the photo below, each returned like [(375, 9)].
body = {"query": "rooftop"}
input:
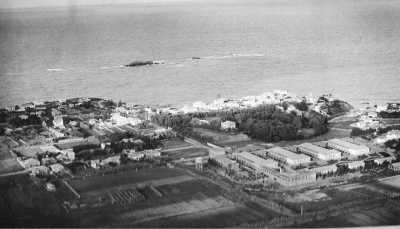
[(346, 144), (257, 160), (315, 148), (286, 153)]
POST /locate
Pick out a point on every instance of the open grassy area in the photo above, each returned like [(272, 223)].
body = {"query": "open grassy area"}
[(174, 143), (161, 205), (393, 181), (187, 153), (100, 182), (219, 136), (371, 217), (9, 165), (4, 150)]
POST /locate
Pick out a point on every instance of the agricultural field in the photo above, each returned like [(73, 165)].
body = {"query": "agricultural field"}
[(8, 162), (9, 165), (197, 203), (99, 183), (158, 197), (25, 201), (315, 200), (174, 144), (393, 181), (187, 153), (4, 149), (386, 215)]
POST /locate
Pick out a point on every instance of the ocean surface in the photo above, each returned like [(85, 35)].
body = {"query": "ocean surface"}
[(350, 48)]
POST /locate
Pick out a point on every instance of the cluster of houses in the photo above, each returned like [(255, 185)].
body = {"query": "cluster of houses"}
[(72, 126), (275, 97), (44, 159)]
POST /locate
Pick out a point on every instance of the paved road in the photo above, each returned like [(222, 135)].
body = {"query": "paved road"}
[(14, 173)]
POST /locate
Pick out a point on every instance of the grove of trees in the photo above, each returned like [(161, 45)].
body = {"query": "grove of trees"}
[(266, 122)]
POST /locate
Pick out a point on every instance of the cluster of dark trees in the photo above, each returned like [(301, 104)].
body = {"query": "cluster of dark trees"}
[(393, 144), (335, 107), (31, 120), (265, 122), (360, 132), (147, 143)]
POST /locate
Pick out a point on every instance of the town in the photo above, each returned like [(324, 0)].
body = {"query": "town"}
[(274, 159)]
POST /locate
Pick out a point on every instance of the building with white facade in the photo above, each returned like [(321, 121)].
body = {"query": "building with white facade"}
[(228, 125), (288, 157), (325, 169), (56, 168), (292, 178), (58, 122), (152, 153), (380, 161), (348, 147), (215, 152), (258, 164), (355, 164), (395, 167), (319, 152), (29, 163), (226, 163)]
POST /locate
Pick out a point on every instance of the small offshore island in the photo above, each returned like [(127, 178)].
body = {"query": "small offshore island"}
[(275, 160)]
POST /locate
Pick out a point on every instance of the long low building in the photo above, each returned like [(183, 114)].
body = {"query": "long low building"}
[(256, 163), (288, 157), (348, 147), (226, 163), (292, 178), (324, 169), (319, 152)]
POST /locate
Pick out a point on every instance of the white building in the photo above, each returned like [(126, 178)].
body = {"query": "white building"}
[(58, 122), (56, 133), (228, 125), (151, 153), (68, 155), (119, 120), (355, 164), (380, 161), (319, 152), (348, 147), (39, 170), (56, 168), (135, 156), (288, 157), (258, 164), (393, 134), (395, 166), (215, 152), (325, 169), (292, 178), (226, 163), (29, 163)]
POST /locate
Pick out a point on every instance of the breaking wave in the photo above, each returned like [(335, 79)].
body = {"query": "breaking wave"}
[(55, 69), (232, 55)]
